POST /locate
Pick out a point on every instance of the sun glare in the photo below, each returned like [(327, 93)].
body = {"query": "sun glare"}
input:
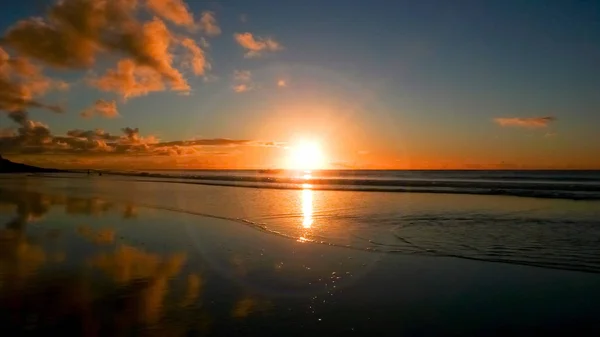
[(306, 156)]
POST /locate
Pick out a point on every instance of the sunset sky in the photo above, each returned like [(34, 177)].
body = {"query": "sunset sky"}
[(136, 84)]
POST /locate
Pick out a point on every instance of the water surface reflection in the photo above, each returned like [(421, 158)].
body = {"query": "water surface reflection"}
[(96, 266), (69, 265), (307, 206)]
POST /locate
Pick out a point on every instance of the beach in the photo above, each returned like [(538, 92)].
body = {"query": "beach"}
[(114, 256)]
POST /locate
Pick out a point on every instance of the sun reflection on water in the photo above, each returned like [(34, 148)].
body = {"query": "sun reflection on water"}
[(307, 206)]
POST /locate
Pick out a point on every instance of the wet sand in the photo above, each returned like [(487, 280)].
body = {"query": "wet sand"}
[(86, 264)]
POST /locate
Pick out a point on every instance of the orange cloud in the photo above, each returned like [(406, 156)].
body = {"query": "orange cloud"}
[(208, 24), (21, 82), (241, 88), (75, 32), (256, 46), (195, 58), (150, 47), (102, 108), (175, 11), (282, 83), (129, 80), (531, 122)]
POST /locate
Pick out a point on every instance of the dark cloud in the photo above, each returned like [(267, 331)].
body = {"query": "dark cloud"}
[(22, 83), (206, 142), (34, 137), (92, 134), (30, 137)]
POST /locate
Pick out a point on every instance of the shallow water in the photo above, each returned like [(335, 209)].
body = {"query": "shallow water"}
[(106, 256), (554, 233)]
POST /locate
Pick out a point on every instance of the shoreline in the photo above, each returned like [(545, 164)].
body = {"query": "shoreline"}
[(548, 191)]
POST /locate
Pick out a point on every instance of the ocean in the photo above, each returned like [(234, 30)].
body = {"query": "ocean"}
[(223, 253), (543, 184)]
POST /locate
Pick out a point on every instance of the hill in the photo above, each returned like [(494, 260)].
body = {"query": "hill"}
[(7, 166)]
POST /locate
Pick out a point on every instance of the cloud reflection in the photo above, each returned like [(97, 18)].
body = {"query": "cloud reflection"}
[(108, 287)]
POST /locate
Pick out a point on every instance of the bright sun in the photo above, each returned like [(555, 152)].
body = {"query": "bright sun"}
[(306, 156)]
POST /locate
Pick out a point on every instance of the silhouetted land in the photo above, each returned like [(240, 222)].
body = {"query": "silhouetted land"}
[(7, 166)]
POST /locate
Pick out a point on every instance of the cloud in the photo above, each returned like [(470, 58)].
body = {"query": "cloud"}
[(76, 32), (32, 137), (107, 109), (242, 81), (242, 75), (282, 83), (149, 47), (206, 142), (7, 132), (129, 80), (239, 88), (175, 11), (92, 134), (195, 58), (22, 82), (256, 46), (208, 24), (528, 122)]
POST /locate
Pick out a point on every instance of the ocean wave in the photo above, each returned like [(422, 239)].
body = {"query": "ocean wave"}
[(572, 191)]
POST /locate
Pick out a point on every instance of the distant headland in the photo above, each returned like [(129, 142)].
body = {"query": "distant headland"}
[(7, 166)]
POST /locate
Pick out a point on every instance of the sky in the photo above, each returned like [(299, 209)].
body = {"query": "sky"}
[(170, 84)]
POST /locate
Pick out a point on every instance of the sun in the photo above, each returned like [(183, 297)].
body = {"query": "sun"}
[(306, 155)]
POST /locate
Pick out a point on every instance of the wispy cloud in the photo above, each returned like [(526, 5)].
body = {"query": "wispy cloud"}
[(242, 81), (175, 11), (242, 75), (102, 108), (256, 46), (527, 122), (195, 58), (208, 24), (239, 88)]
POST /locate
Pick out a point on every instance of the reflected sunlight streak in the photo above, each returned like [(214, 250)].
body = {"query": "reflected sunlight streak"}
[(307, 206)]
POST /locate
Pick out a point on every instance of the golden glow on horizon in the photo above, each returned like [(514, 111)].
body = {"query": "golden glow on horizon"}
[(306, 156)]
